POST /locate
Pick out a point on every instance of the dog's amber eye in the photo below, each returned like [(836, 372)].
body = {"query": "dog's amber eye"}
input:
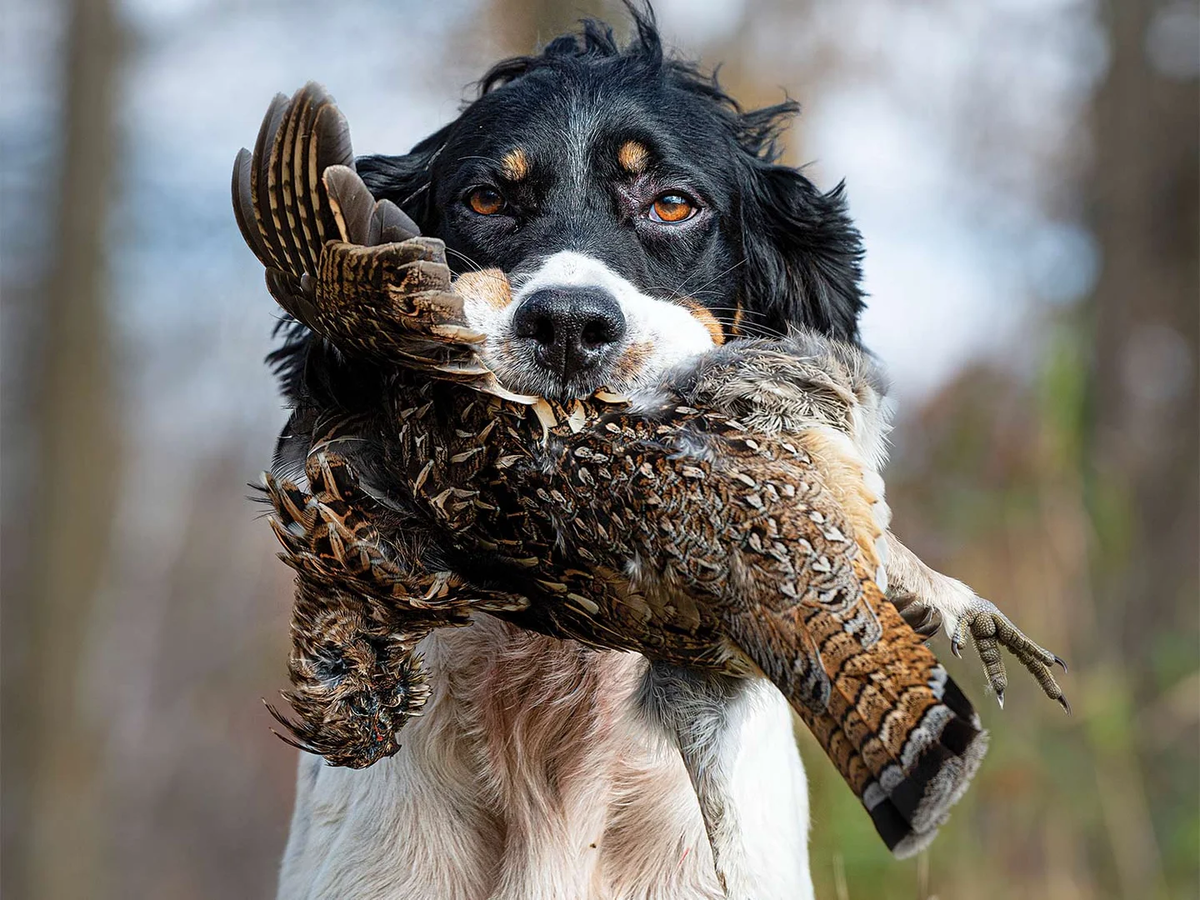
[(486, 201), (672, 208)]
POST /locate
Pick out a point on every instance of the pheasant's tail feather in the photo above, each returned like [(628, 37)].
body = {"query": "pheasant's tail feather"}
[(352, 269), (902, 734), (900, 731)]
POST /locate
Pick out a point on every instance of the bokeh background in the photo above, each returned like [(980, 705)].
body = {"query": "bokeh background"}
[(1025, 175)]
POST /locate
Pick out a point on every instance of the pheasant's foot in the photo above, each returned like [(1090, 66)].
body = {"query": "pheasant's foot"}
[(990, 629)]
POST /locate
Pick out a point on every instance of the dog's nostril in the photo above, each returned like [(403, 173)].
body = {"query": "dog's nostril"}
[(572, 327), (602, 330), (543, 330)]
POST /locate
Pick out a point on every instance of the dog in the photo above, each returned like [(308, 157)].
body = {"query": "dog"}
[(641, 217)]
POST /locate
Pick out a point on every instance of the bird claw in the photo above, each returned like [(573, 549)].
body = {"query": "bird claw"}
[(990, 629)]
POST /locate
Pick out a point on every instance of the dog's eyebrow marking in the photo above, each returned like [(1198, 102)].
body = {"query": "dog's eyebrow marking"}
[(514, 165), (633, 157)]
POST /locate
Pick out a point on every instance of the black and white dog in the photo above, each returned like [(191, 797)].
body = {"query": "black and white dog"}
[(642, 218)]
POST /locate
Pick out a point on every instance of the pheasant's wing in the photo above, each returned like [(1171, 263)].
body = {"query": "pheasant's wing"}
[(355, 673), (350, 268)]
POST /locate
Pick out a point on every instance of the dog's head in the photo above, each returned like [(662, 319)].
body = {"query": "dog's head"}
[(636, 208)]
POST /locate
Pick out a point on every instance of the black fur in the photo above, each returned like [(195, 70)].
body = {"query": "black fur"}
[(766, 240), (771, 239)]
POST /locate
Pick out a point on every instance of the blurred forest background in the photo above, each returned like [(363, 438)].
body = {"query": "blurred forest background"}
[(1025, 174)]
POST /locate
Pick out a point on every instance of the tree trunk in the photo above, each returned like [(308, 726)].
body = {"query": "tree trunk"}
[(51, 773), (520, 27)]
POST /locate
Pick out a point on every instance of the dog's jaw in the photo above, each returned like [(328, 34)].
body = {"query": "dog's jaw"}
[(660, 334)]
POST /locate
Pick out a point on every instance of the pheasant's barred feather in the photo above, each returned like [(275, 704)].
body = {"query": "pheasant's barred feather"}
[(735, 525)]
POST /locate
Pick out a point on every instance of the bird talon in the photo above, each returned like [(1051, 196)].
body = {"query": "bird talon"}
[(988, 626), (958, 635), (1062, 701)]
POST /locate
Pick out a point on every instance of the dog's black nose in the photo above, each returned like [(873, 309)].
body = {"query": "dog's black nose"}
[(573, 327)]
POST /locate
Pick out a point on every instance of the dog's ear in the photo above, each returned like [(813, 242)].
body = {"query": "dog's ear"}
[(803, 253), (406, 180)]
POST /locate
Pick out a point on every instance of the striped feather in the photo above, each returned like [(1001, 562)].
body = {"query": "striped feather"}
[(349, 267)]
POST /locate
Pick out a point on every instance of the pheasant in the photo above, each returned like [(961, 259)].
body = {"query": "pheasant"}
[(729, 524)]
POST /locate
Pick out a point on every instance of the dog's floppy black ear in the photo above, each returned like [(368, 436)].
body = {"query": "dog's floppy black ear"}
[(803, 254), (406, 180)]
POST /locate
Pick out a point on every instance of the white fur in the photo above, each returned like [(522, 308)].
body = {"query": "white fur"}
[(531, 776), (664, 333), (773, 836)]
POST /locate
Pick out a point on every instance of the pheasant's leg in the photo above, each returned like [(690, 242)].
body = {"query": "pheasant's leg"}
[(701, 711), (924, 596)]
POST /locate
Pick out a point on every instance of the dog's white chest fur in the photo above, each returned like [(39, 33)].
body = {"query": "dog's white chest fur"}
[(532, 776)]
